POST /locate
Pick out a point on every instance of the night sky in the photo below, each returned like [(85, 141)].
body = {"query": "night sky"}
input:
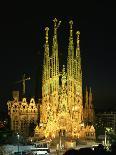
[(22, 46)]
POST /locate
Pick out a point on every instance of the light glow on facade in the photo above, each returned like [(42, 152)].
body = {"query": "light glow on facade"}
[(61, 111)]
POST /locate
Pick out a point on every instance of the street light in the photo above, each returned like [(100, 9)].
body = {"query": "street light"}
[(107, 130), (18, 136), (60, 143)]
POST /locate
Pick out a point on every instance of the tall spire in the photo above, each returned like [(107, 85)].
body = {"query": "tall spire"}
[(71, 31), (78, 39), (55, 62), (86, 106), (91, 109), (71, 44), (86, 99), (56, 25), (78, 46), (46, 37), (90, 98), (70, 59), (46, 73), (78, 58)]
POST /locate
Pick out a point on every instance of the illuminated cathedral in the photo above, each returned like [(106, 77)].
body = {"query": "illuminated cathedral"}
[(62, 110)]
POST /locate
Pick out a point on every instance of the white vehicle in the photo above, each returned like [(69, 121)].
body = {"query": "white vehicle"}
[(39, 151), (41, 145), (40, 148)]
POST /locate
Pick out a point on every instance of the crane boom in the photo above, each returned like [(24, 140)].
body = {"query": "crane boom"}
[(23, 83)]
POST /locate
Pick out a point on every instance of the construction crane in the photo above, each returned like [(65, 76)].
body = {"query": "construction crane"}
[(23, 83)]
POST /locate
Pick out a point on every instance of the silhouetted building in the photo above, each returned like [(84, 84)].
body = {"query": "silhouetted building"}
[(89, 114), (107, 119)]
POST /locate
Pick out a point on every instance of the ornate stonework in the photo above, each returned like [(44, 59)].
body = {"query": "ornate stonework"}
[(22, 114), (61, 111)]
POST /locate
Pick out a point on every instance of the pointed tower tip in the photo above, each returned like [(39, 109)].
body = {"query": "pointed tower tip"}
[(71, 29), (59, 24), (55, 23), (78, 33), (46, 29), (71, 24), (55, 20)]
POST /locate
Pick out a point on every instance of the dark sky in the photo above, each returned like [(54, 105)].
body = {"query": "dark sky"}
[(21, 49)]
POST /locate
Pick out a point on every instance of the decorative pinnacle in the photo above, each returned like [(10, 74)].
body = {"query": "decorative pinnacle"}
[(46, 29), (71, 23), (55, 20), (71, 31), (55, 23), (58, 24), (78, 33)]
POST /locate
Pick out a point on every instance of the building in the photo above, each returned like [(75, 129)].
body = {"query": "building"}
[(23, 115), (106, 119), (62, 109)]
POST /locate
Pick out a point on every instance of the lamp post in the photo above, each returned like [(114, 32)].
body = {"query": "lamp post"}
[(105, 140), (107, 130), (60, 143), (18, 136)]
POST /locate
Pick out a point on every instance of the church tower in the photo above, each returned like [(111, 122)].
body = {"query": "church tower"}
[(74, 81), (91, 108), (89, 115)]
